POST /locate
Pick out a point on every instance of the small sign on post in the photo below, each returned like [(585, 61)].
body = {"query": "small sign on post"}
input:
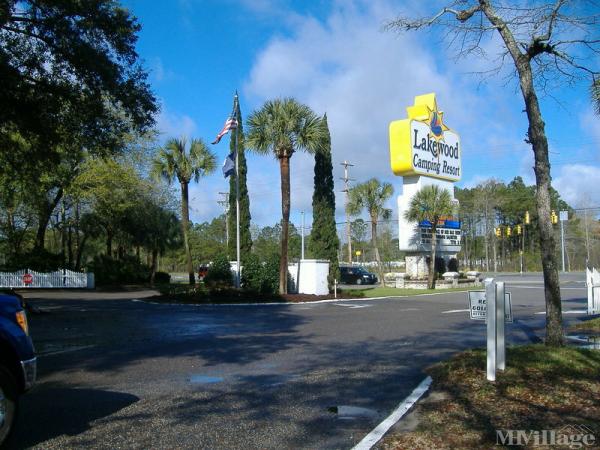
[(498, 302), (27, 279), (478, 307)]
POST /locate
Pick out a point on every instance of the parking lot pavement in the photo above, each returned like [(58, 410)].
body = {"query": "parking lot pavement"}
[(121, 373)]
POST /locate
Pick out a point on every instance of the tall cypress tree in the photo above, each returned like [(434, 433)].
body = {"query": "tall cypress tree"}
[(245, 237), (324, 242)]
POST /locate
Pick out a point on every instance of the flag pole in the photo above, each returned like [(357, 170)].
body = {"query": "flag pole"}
[(237, 194)]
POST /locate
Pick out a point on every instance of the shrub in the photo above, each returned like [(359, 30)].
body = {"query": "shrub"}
[(40, 261), (128, 269), (162, 278), (219, 273), (261, 277), (453, 265)]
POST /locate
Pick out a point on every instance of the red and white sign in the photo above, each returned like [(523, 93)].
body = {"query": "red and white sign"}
[(27, 278)]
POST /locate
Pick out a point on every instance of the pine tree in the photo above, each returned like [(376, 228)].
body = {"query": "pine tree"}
[(324, 242), (245, 237)]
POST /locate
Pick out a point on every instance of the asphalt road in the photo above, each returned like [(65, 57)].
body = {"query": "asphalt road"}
[(115, 372)]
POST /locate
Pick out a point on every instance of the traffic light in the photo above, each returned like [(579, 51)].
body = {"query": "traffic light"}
[(526, 217), (497, 231), (519, 230), (508, 231), (553, 218)]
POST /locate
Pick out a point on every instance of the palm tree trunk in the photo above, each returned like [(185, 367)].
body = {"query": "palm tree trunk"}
[(185, 220), (153, 266), (375, 248), (284, 167), (431, 275)]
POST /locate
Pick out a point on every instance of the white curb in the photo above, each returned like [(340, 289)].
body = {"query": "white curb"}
[(374, 436)]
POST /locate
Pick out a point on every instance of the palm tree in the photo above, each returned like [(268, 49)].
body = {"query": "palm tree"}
[(174, 161), (281, 127), (371, 195), (429, 205)]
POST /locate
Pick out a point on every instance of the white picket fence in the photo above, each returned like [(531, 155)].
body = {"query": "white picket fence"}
[(60, 279), (592, 281)]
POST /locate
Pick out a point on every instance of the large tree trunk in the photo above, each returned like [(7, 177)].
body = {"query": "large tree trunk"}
[(185, 220), (80, 247), (537, 138), (284, 168), (44, 213), (431, 275)]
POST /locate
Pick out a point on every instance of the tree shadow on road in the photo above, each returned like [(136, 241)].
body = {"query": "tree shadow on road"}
[(57, 410)]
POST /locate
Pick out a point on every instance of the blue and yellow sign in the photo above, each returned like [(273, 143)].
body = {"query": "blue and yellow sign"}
[(422, 144)]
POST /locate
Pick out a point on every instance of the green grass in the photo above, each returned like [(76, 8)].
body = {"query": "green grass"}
[(592, 325), (394, 292), (542, 389)]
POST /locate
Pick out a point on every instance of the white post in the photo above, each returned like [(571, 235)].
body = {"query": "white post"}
[(335, 288), (490, 299), (500, 312)]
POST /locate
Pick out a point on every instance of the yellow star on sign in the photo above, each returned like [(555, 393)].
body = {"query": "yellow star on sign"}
[(425, 110)]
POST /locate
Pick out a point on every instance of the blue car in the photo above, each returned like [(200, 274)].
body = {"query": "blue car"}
[(18, 368)]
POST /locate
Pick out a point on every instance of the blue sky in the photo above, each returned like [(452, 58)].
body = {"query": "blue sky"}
[(334, 56)]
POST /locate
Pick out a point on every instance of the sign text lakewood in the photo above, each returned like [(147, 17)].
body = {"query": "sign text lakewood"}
[(432, 157)]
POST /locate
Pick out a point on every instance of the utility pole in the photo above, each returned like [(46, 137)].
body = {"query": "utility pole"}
[(302, 257), (225, 203), (346, 164)]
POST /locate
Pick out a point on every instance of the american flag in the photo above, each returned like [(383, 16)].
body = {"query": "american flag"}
[(230, 124)]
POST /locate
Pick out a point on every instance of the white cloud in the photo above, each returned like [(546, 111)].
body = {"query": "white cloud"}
[(158, 71), (577, 184), (171, 124), (363, 78), (360, 76)]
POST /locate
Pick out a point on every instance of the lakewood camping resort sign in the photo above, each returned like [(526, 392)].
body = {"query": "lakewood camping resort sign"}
[(423, 145), (425, 152)]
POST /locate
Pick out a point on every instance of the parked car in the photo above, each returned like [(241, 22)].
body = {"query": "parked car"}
[(356, 275), (18, 367), (202, 271)]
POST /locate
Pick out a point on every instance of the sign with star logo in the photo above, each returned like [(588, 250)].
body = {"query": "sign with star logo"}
[(422, 144)]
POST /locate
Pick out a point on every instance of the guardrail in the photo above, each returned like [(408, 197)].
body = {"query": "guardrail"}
[(63, 278)]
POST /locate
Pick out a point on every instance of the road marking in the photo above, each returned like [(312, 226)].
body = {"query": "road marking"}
[(571, 311), (542, 287), (455, 311), (353, 306), (374, 436), (68, 350)]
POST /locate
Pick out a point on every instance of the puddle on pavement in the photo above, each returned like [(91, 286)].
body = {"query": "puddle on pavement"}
[(347, 412), (589, 342), (205, 379)]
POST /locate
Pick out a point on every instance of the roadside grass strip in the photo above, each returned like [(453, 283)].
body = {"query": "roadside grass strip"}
[(392, 293), (544, 393), (375, 436), (592, 325)]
